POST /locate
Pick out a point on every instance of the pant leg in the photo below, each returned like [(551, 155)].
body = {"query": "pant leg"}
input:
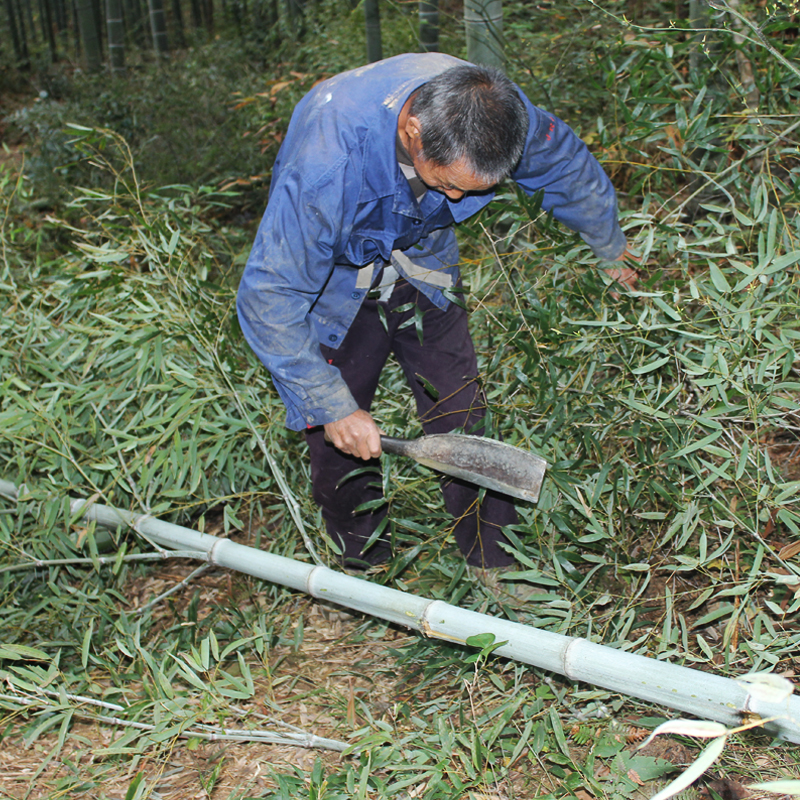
[(446, 359), (360, 359)]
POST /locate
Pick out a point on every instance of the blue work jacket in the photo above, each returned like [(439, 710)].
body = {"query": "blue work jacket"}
[(339, 205)]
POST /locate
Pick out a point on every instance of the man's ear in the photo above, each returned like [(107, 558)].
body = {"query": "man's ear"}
[(414, 128)]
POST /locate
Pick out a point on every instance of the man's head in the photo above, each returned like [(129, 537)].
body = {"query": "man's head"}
[(467, 129)]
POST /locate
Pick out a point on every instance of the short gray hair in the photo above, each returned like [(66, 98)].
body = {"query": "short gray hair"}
[(473, 113)]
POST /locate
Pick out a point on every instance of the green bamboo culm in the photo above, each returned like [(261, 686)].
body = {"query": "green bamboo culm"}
[(483, 25), (429, 26), (18, 38), (158, 26), (47, 23), (116, 37), (89, 35), (265, 19), (135, 23), (177, 15), (295, 12), (372, 20)]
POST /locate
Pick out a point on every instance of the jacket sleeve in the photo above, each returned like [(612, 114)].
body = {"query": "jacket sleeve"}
[(576, 189), (291, 261)]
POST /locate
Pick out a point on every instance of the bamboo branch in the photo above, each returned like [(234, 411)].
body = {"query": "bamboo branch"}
[(208, 733), (280, 478), (185, 582), (704, 695), (105, 560), (747, 156), (291, 502), (722, 5), (128, 478)]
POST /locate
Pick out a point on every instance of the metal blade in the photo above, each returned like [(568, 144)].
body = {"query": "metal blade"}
[(484, 462)]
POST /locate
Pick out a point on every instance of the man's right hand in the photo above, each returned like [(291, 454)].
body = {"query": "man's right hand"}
[(624, 275), (356, 434)]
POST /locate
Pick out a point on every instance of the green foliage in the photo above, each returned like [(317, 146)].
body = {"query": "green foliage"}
[(114, 317), (179, 122), (335, 38), (665, 413)]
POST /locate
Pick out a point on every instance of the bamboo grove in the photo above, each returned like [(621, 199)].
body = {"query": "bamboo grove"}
[(95, 32)]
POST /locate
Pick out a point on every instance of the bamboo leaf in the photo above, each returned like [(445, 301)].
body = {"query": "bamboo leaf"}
[(687, 727), (188, 675), (669, 311), (767, 686), (87, 641), (652, 366), (103, 255), (718, 278), (787, 786), (699, 445), (782, 262), (21, 652), (558, 732)]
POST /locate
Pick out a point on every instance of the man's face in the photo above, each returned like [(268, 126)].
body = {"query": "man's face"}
[(454, 180)]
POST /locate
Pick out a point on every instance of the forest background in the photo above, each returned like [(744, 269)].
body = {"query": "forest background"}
[(130, 190)]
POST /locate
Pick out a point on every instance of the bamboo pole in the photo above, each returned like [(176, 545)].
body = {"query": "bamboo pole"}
[(483, 27), (116, 37), (701, 694), (372, 22), (429, 26), (158, 27), (89, 35), (18, 38)]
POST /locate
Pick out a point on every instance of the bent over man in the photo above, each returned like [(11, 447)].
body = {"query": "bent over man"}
[(356, 251)]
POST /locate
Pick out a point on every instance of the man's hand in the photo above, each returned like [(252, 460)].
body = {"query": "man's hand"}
[(356, 434), (626, 276)]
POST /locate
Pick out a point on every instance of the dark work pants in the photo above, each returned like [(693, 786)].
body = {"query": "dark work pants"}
[(446, 359)]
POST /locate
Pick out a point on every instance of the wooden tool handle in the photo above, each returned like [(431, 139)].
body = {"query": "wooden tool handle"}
[(398, 447)]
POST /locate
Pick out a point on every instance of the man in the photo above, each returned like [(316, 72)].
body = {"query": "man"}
[(356, 258)]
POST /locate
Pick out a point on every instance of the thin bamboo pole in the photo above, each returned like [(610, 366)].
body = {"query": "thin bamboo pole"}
[(700, 694), (483, 26), (372, 22), (89, 35), (158, 27), (116, 37), (429, 26), (18, 38)]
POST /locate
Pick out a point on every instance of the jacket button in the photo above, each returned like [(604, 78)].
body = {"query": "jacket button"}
[(333, 337), (355, 295)]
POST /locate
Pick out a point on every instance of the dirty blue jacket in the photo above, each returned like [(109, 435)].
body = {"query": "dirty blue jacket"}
[(339, 205)]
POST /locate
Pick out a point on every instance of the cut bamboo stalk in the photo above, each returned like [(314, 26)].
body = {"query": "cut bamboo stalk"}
[(701, 694)]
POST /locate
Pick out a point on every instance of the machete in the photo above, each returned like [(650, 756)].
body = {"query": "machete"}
[(484, 462)]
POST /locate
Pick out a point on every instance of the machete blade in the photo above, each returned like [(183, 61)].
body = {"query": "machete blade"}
[(484, 462)]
